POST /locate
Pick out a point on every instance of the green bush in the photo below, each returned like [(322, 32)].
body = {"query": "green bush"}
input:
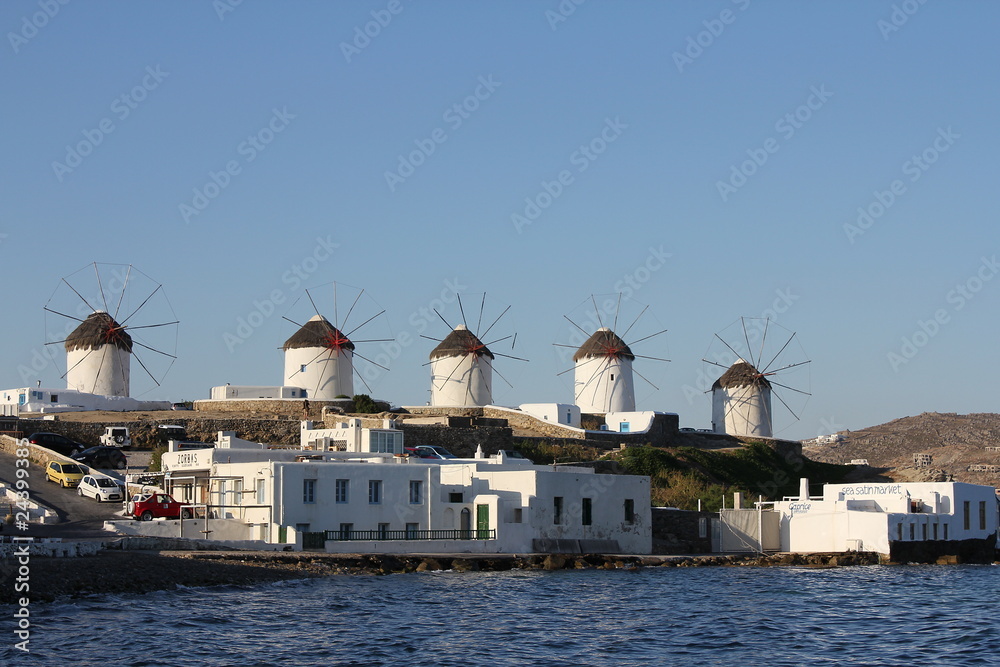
[(544, 453), (647, 460), (155, 462), (365, 404)]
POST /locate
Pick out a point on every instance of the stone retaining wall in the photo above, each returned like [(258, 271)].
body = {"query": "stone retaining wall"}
[(461, 442), (679, 531), (144, 436), (285, 407)]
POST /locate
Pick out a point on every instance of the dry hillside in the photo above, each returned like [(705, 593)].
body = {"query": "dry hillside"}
[(955, 442)]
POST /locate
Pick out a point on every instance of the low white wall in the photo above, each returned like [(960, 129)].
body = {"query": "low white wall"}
[(222, 529), (36, 514)]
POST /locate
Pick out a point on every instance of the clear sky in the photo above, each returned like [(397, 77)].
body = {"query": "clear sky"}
[(828, 164)]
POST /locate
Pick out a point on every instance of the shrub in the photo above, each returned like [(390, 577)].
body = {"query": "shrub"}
[(364, 404), (155, 462)]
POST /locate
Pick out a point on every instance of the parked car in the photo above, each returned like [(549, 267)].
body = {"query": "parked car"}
[(102, 457), (167, 432), (149, 506), (65, 474), (100, 488), (180, 406), (116, 436), (57, 443), (433, 452)]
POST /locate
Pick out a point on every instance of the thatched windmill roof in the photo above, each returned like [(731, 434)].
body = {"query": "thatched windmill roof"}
[(459, 343), (604, 343), (318, 332), (741, 374), (98, 329)]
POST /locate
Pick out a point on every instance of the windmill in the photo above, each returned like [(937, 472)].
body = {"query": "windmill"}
[(741, 396), (603, 380), (103, 314), (462, 365), (319, 356)]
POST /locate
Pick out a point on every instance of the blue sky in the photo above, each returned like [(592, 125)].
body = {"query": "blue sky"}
[(712, 155)]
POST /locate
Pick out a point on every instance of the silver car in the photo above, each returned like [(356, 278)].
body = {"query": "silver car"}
[(100, 488)]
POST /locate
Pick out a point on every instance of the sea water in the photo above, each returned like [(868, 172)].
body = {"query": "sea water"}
[(876, 615)]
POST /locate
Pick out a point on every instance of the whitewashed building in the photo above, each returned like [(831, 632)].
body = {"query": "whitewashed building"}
[(341, 495), (885, 517), (630, 422), (255, 392), (461, 370), (320, 359), (47, 400), (98, 356), (351, 436), (741, 402), (603, 379), (98, 363), (566, 414)]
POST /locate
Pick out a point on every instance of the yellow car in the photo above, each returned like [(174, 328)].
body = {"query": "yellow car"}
[(66, 474)]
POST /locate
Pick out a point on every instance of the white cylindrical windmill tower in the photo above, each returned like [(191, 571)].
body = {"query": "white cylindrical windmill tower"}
[(320, 359), (603, 378), (741, 402), (461, 370), (98, 356)]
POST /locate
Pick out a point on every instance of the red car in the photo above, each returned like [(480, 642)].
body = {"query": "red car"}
[(149, 506)]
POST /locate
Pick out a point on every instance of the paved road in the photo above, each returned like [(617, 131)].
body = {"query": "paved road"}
[(79, 518)]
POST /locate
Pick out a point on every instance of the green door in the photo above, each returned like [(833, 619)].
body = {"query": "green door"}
[(482, 522)]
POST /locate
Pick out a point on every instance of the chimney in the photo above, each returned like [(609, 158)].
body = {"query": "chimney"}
[(803, 488)]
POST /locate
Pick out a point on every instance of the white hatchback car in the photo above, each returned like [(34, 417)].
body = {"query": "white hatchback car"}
[(100, 487)]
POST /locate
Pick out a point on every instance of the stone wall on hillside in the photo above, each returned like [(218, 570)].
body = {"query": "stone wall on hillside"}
[(290, 408), (448, 412), (461, 442), (661, 433), (524, 421), (270, 431)]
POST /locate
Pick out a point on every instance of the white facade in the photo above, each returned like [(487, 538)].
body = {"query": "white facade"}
[(559, 413), (603, 374), (742, 410), (320, 359), (464, 376), (385, 503), (324, 373), (869, 517), (629, 422), (351, 436), (103, 370), (604, 384), (42, 399), (234, 392)]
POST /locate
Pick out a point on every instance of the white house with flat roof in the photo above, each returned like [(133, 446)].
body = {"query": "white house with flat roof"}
[(47, 400), (886, 516), (359, 500), (230, 392), (566, 414)]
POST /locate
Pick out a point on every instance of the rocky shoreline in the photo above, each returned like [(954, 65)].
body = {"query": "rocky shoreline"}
[(116, 571)]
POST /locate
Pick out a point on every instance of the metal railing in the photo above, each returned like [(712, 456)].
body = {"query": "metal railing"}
[(385, 535)]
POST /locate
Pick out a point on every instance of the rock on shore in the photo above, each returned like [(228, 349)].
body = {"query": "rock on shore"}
[(116, 571)]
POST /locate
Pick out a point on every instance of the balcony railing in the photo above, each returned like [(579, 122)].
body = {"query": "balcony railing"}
[(386, 535)]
